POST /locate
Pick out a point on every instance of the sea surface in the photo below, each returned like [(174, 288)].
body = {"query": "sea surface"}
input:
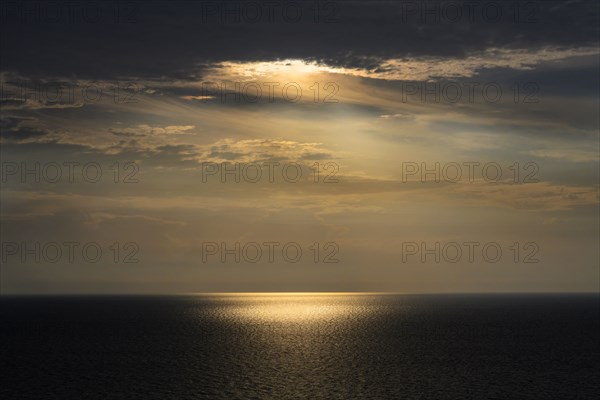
[(296, 346)]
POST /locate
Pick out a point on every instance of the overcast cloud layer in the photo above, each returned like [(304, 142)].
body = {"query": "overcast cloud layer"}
[(159, 94)]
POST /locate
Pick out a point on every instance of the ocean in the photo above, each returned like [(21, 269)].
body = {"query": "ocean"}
[(301, 346)]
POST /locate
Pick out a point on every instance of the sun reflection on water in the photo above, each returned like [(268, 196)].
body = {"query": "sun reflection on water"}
[(289, 307)]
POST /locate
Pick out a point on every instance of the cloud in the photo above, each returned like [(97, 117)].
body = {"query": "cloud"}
[(197, 97), (16, 129), (568, 154), (147, 130), (538, 197), (403, 69), (400, 116), (256, 150)]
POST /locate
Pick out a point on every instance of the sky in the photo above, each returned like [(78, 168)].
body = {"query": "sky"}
[(270, 146)]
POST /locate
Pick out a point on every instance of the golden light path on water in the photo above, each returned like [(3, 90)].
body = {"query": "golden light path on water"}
[(289, 345), (300, 307)]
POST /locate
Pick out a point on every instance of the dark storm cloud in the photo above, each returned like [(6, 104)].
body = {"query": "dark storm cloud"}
[(13, 129), (12, 103), (11, 122), (178, 39)]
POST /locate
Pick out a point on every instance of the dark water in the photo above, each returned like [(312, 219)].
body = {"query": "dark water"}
[(301, 347)]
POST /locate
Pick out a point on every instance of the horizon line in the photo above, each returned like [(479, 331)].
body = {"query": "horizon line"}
[(304, 293)]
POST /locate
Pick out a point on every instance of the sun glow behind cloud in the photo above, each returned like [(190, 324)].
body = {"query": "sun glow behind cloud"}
[(409, 68)]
